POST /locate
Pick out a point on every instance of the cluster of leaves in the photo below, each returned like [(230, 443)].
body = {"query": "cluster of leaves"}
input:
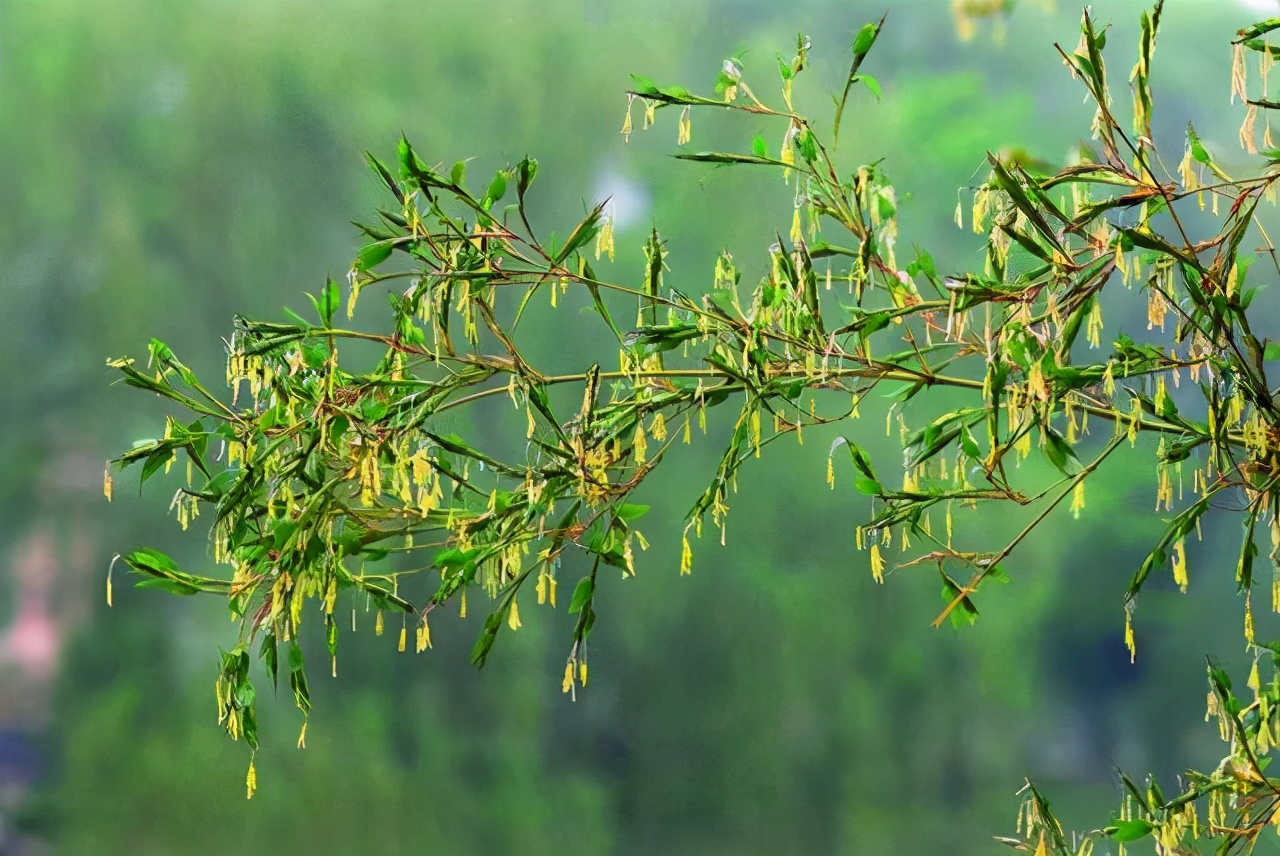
[(1239, 799), (327, 469)]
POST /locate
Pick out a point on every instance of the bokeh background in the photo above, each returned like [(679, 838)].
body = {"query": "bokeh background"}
[(165, 165)]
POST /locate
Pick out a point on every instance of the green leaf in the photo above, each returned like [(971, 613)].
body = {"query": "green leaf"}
[(372, 255), (1131, 830), (728, 158), (964, 612), (489, 635), (865, 39), (526, 172), (453, 558), (410, 164), (295, 657), (269, 655), (872, 84), (1254, 30), (1150, 241), (155, 461), (867, 486), (582, 593), (497, 187), (169, 585), (330, 299), (643, 85), (861, 47), (969, 445), (631, 512), (301, 689), (759, 147), (1198, 150), (867, 481), (807, 144), (581, 234), (1057, 450), (383, 173), (647, 88), (150, 559), (459, 173)]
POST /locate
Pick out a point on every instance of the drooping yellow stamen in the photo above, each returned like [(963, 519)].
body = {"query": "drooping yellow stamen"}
[(604, 238), (1180, 564), (626, 123), (567, 683), (1247, 132), (1129, 641), (1093, 325), (658, 427), (1077, 499), (639, 445), (1248, 618), (1238, 73)]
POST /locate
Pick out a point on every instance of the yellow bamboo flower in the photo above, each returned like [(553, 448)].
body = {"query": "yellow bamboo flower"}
[(567, 683), (1180, 564), (1129, 640), (1248, 618), (1247, 132), (658, 427), (1077, 499), (1238, 82), (639, 445), (1093, 325), (626, 123), (604, 238)]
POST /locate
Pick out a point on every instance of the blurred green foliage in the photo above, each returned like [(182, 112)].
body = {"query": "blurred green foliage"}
[(206, 156)]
